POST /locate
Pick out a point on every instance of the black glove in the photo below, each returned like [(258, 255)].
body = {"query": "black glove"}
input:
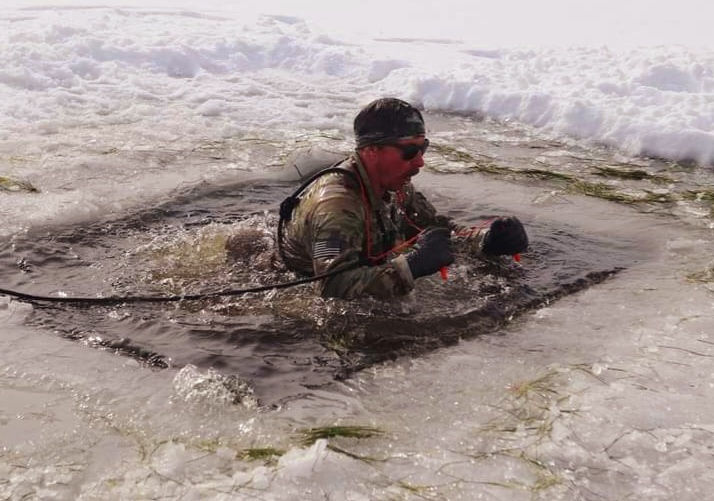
[(431, 252), (505, 236)]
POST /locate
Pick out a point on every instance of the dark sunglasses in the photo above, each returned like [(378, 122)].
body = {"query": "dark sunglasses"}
[(409, 151)]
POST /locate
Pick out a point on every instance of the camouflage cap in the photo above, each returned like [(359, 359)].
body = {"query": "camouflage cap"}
[(386, 120)]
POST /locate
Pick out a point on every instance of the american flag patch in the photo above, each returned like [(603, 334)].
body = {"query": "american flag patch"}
[(326, 249)]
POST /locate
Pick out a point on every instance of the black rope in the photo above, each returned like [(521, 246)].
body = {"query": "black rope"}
[(114, 300)]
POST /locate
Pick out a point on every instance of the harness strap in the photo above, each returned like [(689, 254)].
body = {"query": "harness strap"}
[(288, 205)]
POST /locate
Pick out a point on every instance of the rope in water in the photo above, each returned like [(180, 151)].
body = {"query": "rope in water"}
[(114, 300)]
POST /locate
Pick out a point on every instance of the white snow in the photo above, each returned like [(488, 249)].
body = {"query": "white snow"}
[(637, 76)]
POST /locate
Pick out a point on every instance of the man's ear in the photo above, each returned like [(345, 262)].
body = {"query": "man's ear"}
[(369, 152)]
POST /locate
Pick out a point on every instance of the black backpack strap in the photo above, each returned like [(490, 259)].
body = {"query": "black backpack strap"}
[(288, 205)]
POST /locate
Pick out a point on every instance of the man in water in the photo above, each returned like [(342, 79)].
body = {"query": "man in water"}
[(366, 210)]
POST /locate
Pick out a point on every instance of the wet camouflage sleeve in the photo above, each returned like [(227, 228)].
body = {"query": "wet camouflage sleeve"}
[(328, 228), (424, 214)]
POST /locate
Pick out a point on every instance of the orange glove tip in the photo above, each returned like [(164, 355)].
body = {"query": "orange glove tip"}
[(444, 273)]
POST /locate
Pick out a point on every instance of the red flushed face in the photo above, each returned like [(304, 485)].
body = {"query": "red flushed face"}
[(398, 162)]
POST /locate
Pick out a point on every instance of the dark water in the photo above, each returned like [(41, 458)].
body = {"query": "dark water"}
[(282, 342)]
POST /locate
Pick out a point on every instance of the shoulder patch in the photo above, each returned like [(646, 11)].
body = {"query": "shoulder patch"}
[(327, 249)]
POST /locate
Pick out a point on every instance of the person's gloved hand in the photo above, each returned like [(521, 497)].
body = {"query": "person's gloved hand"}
[(505, 236), (431, 252)]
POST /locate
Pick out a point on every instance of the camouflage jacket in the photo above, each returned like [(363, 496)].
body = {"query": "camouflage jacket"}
[(339, 219)]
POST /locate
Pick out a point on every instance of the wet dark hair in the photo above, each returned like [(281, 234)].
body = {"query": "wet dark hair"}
[(386, 120)]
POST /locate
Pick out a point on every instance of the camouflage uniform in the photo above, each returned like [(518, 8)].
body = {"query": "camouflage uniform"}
[(328, 228)]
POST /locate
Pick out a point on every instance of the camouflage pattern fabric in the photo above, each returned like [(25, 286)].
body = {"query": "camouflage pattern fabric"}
[(334, 220)]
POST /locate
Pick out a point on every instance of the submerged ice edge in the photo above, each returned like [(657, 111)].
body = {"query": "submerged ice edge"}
[(80, 184), (178, 247)]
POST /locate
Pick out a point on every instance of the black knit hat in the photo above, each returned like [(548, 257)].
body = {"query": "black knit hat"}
[(386, 120)]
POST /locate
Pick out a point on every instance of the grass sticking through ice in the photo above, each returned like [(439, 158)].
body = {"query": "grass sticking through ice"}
[(704, 277), (456, 159), (312, 435), (524, 422), (267, 455), (14, 185)]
